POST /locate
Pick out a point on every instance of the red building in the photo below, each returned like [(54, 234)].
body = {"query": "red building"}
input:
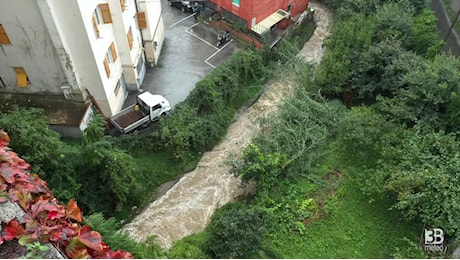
[(259, 15)]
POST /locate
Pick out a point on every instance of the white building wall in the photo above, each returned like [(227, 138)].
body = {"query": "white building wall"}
[(154, 34), (72, 87), (104, 91), (88, 51), (122, 24), (56, 43), (31, 48)]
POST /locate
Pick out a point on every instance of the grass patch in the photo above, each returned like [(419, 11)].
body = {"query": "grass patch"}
[(349, 227), (160, 167)]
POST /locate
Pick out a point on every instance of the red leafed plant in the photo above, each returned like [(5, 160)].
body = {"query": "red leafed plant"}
[(46, 220)]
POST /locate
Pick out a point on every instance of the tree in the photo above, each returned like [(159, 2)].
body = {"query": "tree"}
[(394, 21), (237, 232), (346, 8), (425, 38), (423, 172), (265, 169), (378, 70), (361, 134), (349, 38), (109, 176), (425, 94)]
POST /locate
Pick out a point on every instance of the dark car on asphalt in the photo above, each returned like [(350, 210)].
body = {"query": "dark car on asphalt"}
[(183, 5)]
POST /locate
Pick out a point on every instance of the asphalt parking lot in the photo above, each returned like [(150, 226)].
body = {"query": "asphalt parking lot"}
[(188, 55)]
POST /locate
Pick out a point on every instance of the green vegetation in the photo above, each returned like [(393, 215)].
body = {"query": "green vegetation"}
[(359, 182), (108, 229), (349, 227), (354, 165), (36, 250), (237, 233)]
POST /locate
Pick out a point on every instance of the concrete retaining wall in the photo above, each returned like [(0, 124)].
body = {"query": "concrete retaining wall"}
[(444, 23)]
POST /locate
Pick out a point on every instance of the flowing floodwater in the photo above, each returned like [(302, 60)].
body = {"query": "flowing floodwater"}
[(187, 207)]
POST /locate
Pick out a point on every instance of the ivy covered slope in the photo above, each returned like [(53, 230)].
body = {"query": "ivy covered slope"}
[(46, 220)]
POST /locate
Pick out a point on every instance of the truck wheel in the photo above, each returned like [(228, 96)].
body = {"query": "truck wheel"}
[(169, 3), (164, 114), (183, 9)]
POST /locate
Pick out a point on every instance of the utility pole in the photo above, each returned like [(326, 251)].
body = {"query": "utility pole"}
[(452, 25)]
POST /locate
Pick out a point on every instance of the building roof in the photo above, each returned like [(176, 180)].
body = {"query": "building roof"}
[(265, 25)]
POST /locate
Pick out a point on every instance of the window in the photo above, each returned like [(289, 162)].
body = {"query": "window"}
[(236, 2), (130, 38), (110, 58), (96, 25), (113, 52), (105, 13), (101, 15), (3, 36), (107, 67), (117, 88), (21, 75), (141, 21), (123, 7), (155, 107)]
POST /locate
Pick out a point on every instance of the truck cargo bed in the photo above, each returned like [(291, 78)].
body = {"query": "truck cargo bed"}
[(129, 118)]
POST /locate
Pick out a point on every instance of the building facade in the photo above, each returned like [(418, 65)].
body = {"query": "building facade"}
[(259, 15), (78, 48)]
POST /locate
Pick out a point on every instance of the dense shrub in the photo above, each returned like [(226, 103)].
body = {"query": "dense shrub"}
[(201, 120), (306, 122), (344, 8), (100, 176), (40, 146), (237, 232), (415, 166), (190, 247), (422, 169), (425, 94)]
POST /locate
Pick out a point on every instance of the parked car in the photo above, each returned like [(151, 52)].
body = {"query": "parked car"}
[(183, 5)]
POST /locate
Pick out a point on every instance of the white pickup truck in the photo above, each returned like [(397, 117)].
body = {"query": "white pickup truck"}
[(148, 108)]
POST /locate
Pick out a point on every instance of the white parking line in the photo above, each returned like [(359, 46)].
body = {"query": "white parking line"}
[(212, 66), (203, 40), (192, 26), (181, 20), (210, 57), (189, 29)]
